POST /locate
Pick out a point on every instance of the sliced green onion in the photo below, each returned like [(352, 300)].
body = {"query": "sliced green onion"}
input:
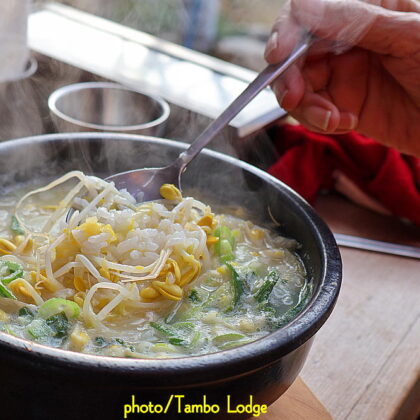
[(100, 342), (174, 332), (195, 339), (186, 326), (221, 298), (39, 328), (264, 292), (225, 246), (124, 344), (163, 347), (59, 324), (193, 296), (25, 311), (226, 251), (162, 329), (237, 286), (233, 344), (15, 227), (224, 338), (10, 271), (304, 296), (55, 306), (5, 292), (186, 314), (176, 341)]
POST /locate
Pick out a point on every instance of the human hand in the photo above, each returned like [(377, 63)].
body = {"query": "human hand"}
[(373, 86)]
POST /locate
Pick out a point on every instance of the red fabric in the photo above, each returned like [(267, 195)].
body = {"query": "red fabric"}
[(307, 162)]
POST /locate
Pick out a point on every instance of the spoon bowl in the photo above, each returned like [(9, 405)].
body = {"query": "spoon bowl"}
[(144, 184)]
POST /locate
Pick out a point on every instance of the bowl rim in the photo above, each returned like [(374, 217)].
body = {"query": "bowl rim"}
[(191, 369), (75, 87)]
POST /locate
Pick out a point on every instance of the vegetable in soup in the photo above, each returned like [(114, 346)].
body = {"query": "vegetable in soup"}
[(167, 278)]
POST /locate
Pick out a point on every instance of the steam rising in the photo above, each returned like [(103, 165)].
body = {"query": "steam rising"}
[(24, 111), (23, 103)]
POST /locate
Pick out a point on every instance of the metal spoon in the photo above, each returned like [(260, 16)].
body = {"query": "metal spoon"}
[(144, 184)]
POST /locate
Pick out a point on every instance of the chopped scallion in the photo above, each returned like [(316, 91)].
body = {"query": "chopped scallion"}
[(55, 306), (236, 285), (15, 227), (10, 271), (264, 292), (225, 246), (193, 296), (5, 292)]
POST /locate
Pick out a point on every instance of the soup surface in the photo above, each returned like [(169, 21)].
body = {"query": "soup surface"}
[(167, 278)]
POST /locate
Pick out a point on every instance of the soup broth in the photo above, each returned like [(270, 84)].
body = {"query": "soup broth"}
[(168, 278)]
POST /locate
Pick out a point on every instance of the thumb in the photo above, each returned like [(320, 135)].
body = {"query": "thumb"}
[(354, 22)]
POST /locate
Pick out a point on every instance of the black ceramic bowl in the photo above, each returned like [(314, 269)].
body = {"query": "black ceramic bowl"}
[(46, 383)]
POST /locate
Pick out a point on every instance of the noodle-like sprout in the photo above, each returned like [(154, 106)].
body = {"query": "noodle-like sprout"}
[(110, 245)]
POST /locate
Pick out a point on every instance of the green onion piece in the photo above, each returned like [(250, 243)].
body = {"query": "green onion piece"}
[(178, 308), (186, 314), (175, 341), (226, 251), (5, 292), (10, 271), (193, 296), (162, 329), (264, 292), (59, 324), (169, 331), (233, 344), (225, 338), (269, 311), (236, 284), (173, 332), (15, 227), (7, 329), (186, 326), (249, 280), (25, 311), (304, 296), (195, 339), (163, 347), (55, 306), (124, 344), (221, 298), (39, 328), (100, 342), (225, 245)]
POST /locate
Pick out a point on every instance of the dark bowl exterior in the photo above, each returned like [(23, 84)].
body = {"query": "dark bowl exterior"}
[(46, 383)]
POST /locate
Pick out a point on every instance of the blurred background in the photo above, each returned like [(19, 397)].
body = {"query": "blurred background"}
[(196, 54), (235, 30)]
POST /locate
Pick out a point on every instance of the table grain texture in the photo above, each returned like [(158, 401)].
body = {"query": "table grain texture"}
[(365, 361)]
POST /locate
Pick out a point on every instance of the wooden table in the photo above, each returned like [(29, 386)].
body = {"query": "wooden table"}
[(365, 361)]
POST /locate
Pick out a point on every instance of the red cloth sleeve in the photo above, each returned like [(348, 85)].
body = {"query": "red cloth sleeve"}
[(307, 162)]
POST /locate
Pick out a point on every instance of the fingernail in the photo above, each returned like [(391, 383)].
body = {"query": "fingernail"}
[(271, 44), (353, 122), (318, 117)]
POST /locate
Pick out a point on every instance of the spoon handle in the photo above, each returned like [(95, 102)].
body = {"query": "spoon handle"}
[(267, 76)]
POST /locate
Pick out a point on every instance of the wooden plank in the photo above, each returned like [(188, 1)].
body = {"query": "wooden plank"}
[(364, 363), (298, 403), (395, 379), (374, 315)]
